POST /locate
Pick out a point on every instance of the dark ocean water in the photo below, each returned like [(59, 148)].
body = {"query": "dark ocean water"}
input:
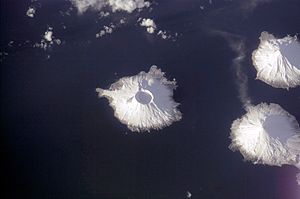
[(60, 141)]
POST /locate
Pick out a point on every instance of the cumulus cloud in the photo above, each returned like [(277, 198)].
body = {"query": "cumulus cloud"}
[(103, 14), (115, 5), (149, 24), (106, 30), (48, 40), (252, 4), (127, 5), (167, 35), (3, 55), (151, 28), (32, 9), (110, 28), (31, 12)]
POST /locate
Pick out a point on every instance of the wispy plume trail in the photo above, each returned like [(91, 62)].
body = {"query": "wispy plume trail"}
[(223, 22), (242, 78), (237, 44)]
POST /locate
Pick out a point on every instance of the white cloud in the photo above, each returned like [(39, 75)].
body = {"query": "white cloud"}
[(109, 29), (115, 5), (252, 4), (164, 34), (48, 36), (152, 28), (149, 24), (188, 194), (3, 55), (106, 30), (128, 5), (48, 40), (122, 21), (31, 12), (83, 5), (103, 14)]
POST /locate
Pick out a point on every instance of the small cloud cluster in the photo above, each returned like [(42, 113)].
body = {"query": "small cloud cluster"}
[(121, 5), (165, 35), (115, 5), (106, 30), (152, 28), (252, 4), (31, 11), (149, 24), (103, 14), (48, 40), (203, 6), (3, 55), (188, 194)]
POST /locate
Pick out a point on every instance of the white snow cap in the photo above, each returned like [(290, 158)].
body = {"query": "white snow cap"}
[(267, 134), (144, 101), (277, 61), (124, 5), (150, 24)]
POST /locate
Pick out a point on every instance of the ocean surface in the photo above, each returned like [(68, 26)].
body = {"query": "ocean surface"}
[(61, 141)]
